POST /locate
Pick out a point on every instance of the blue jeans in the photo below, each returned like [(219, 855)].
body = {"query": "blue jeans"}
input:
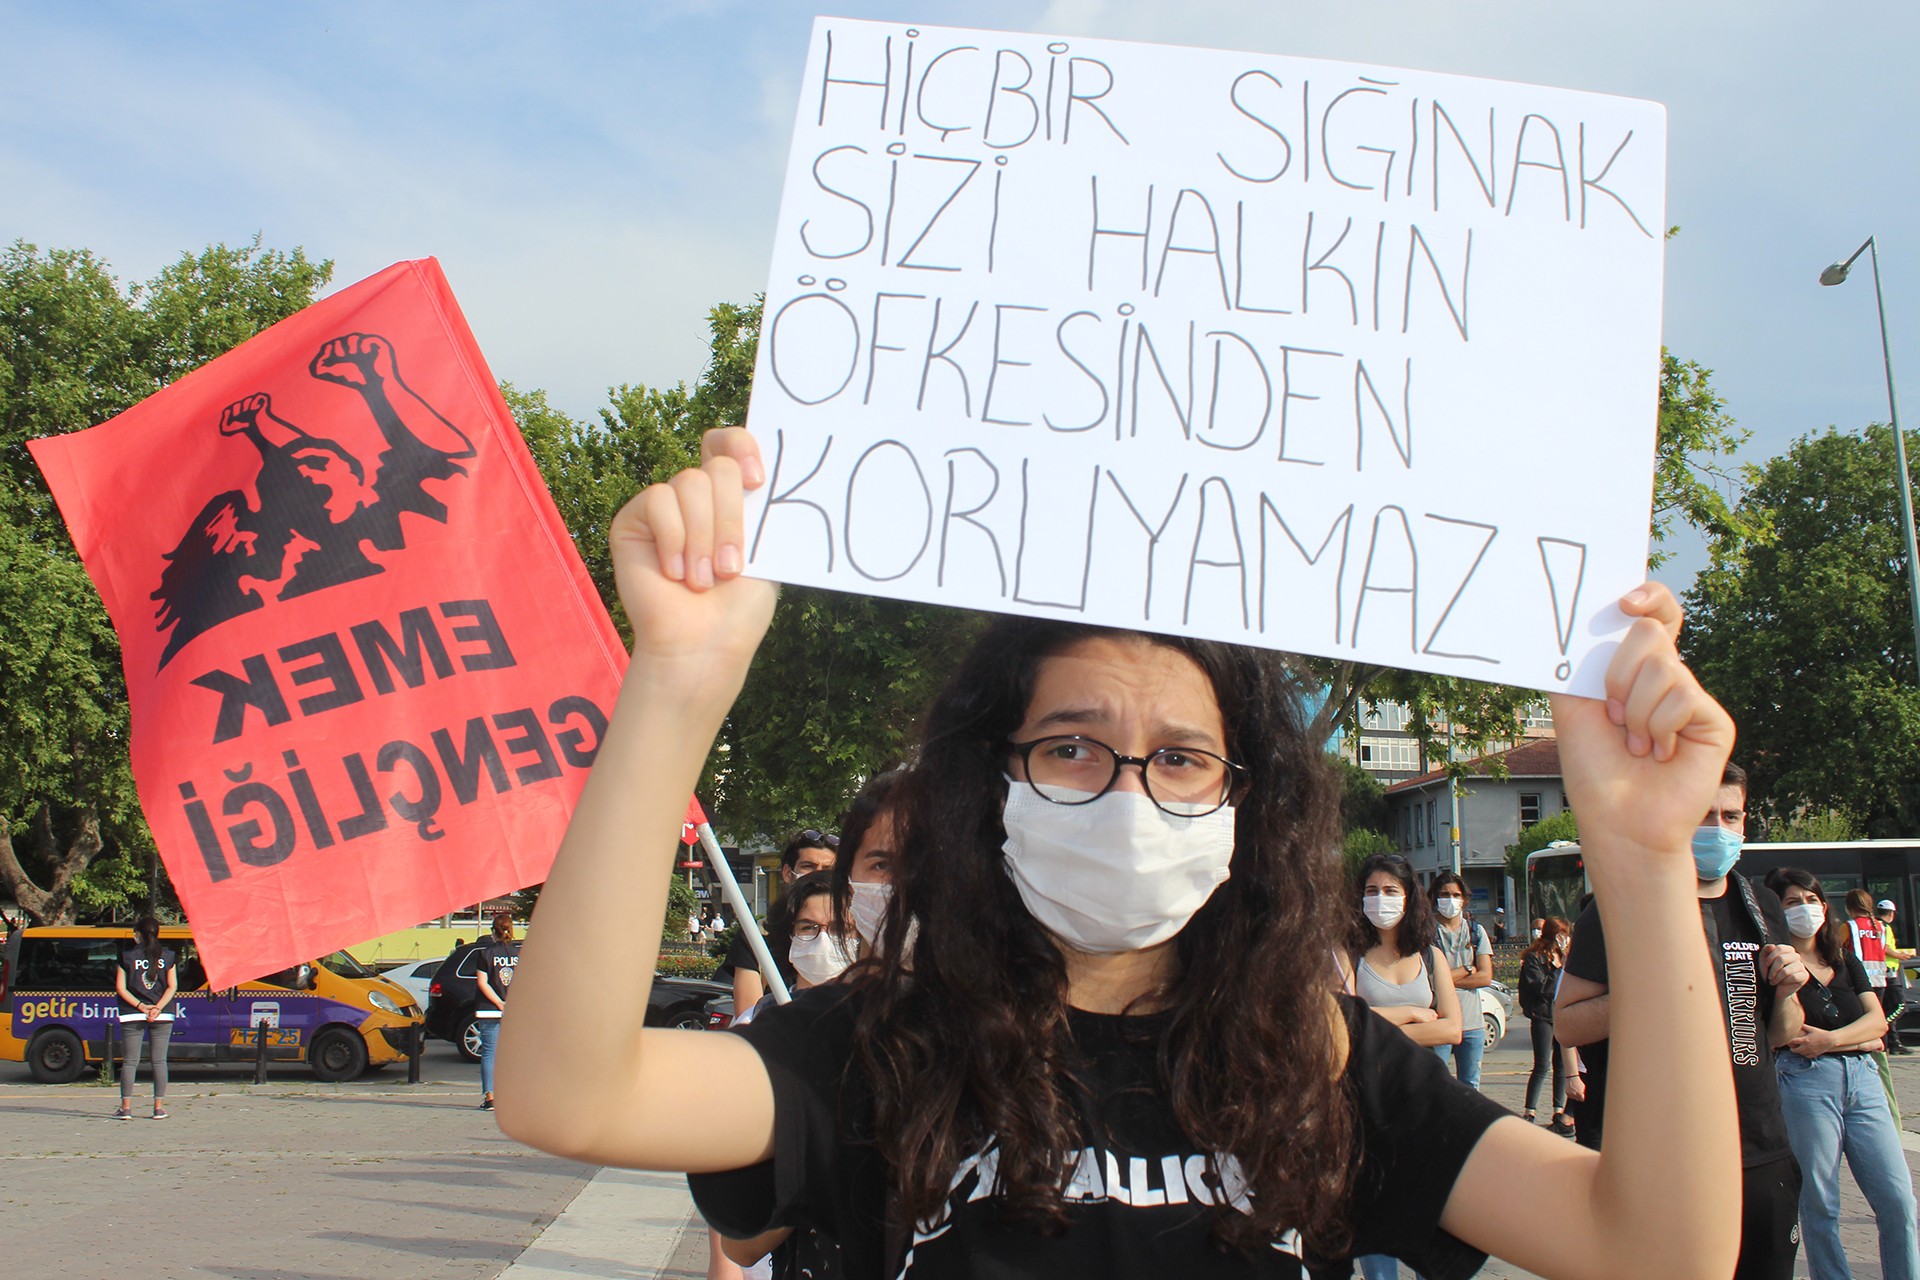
[(1466, 1055), (489, 1029), (1836, 1106)]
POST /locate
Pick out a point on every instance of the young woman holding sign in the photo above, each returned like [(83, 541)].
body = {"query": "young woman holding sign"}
[(1107, 841)]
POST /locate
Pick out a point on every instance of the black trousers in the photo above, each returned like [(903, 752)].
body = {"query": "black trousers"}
[(1769, 1220)]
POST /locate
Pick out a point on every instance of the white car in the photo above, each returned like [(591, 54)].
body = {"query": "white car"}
[(1496, 1006), (415, 976)]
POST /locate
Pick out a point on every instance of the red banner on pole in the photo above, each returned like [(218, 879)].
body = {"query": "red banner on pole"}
[(690, 825), (366, 669)]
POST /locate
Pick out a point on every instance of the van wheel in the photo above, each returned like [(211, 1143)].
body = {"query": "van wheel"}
[(337, 1054), (55, 1057), (467, 1038)]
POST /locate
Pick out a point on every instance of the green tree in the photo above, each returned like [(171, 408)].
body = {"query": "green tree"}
[(1825, 827), (1359, 844), (1363, 801), (1807, 638), (835, 690), (76, 349), (1561, 826)]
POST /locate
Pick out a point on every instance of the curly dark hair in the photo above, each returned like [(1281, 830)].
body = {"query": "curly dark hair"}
[(1417, 928), (966, 1039)]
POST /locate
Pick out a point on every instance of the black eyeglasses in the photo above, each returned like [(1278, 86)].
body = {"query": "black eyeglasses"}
[(1183, 781), (820, 839)]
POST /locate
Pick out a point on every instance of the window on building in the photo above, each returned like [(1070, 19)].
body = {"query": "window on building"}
[(1529, 809), (1419, 831), (1430, 835), (1366, 753)]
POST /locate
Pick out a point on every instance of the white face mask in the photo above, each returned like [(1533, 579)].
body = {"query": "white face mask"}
[(1805, 919), (1449, 908), (1383, 910), (1536, 935), (868, 906), (1116, 874), (820, 960)]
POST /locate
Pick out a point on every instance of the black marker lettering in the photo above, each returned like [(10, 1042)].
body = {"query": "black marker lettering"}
[(775, 498), (1196, 562), (1183, 410), (1402, 444), (889, 539), (1020, 553), (1411, 590), (1342, 523), (1309, 265), (993, 370), (926, 365), (1211, 249), (1415, 240), (1233, 96), (1153, 533), (1073, 96), (1559, 165), (1060, 340), (998, 88), (1493, 531), (884, 84), (874, 345), (1213, 400), (842, 195), (1594, 181), (973, 167), (1093, 239), (967, 516), (1485, 180)]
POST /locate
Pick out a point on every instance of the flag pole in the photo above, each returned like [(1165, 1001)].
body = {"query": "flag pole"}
[(749, 927)]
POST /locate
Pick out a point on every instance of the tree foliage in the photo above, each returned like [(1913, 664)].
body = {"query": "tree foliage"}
[(1807, 639), (76, 349), (835, 690), (1561, 826)]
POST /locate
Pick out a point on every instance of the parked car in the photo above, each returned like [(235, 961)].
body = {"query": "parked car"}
[(1497, 1011), (416, 976), (58, 1013), (678, 1003)]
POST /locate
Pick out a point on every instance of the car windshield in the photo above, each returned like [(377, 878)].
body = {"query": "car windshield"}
[(345, 966)]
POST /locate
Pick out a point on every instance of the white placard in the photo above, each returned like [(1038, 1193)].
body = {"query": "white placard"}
[(1311, 355)]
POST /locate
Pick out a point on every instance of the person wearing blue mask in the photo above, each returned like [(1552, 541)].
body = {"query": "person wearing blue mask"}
[(1760, 976)]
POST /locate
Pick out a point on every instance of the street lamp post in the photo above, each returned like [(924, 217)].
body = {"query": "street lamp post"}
[(1835, 274)]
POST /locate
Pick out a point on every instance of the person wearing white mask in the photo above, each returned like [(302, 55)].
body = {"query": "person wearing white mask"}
[(1402, 975), (1831, 1094), (863, 879), (1469, 956), (1113, 1049)]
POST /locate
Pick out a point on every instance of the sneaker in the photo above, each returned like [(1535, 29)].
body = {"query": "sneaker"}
[(159, 1112), (1562, 1126), (486, 1104), (124, 1113)]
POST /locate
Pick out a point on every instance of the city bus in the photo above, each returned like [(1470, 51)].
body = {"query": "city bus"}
[(1889, 870)]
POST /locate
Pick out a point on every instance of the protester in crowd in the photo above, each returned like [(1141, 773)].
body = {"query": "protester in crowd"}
[(806, 853), (1402, 975), (803, 925), (863, 880), (1118, 851), (1538, 925), (146, 981), (1469, 955), (1540, 966), (1831, 1097), (1499, 926), (1867, 941), (1895, 998), (1758, 975), (498, 960)]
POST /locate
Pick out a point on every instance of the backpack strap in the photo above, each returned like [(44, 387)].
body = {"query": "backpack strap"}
[(1426, 958)]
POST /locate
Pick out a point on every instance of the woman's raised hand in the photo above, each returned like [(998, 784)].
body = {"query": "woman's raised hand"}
[(678, 551), (1642, 765)]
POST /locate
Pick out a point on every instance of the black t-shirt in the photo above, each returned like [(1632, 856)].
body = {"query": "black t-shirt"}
[(1747, 1000), (1139, 1200), (147, 980), (1831, 1006), (497, 960), (740, 956)]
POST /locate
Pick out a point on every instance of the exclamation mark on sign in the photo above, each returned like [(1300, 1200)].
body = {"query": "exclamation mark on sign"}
[(1566, 566)]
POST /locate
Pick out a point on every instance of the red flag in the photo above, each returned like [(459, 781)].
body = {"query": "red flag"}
[(366, 668), (690, 825)]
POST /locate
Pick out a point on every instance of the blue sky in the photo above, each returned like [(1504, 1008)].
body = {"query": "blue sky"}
[(595, 176)]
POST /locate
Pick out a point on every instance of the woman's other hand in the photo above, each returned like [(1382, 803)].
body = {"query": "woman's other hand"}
[(1642, 764), (678, 552)]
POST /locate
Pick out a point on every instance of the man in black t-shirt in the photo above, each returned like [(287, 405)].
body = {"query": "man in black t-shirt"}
[(806, 853), (1760, 975)]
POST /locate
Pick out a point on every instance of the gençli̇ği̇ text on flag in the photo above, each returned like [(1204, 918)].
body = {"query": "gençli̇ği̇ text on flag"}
[(366, 668)]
